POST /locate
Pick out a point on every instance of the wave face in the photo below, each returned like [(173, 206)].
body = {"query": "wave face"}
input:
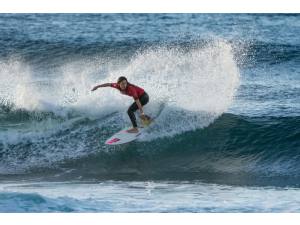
[(233, 150), (225, 97)]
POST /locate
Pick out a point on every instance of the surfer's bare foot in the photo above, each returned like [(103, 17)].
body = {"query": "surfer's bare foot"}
[(133, 130)]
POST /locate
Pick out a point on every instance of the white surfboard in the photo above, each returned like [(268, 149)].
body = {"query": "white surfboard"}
[(123, 137)]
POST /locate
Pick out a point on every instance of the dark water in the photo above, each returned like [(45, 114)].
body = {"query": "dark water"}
[(225, 89)]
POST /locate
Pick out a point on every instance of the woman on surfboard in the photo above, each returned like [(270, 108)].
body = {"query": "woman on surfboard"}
[(139, 95)]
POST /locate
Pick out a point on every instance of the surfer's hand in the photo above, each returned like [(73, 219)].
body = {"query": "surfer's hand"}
[(95, 88)]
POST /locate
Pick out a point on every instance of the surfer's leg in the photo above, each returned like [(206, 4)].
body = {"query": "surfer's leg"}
[(131, 115), (144, 99)]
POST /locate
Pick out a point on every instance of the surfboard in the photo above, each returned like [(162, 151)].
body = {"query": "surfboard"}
[(123, 136)]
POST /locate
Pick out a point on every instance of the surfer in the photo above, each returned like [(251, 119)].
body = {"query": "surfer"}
[(139, 95)]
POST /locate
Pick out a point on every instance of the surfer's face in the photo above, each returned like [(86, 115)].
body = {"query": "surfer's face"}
[(123, 85)]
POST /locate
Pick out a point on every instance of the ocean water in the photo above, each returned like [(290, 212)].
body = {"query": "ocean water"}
[(224, 88)]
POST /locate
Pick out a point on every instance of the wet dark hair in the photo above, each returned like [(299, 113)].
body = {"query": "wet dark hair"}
[(120, 79)]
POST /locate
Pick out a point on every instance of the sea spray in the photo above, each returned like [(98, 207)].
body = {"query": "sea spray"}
[(188, 88)]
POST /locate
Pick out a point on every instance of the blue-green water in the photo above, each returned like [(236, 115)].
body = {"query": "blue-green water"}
[(224, 89)]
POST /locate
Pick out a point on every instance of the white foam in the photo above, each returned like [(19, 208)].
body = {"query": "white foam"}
[(15, 87)]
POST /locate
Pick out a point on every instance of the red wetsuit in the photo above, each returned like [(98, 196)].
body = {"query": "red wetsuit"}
[(131, 90)]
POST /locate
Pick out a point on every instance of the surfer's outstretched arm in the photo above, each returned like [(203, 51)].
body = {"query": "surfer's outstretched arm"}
[(101, 85)]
